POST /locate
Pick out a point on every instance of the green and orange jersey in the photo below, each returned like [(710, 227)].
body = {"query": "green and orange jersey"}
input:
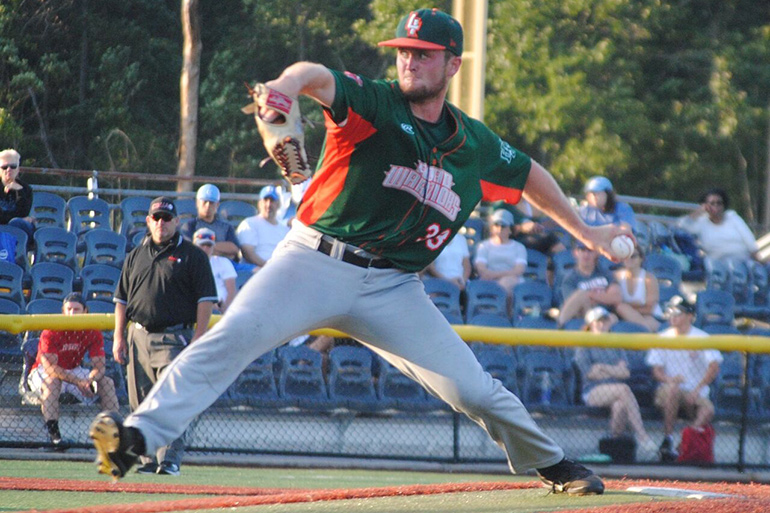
[(382, 185)]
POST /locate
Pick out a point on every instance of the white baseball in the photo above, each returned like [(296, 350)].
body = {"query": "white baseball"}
[(622, 246)]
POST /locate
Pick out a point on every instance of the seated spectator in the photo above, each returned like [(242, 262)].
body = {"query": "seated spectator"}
[(586, 286), (531, 230), (222, 268), (500, 258), (207, 204), (640, 292), (260, 234), (453, 263), (602, 206), (721, 232), (684, 375), (57, 369), (15, 196), (604, 373)]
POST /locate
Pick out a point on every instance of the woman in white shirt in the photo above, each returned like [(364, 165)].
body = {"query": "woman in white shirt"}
[(640, 291), (500, 258), (722, 233)]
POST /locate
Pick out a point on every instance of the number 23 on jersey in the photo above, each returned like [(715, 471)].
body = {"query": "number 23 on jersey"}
[(434, 237)]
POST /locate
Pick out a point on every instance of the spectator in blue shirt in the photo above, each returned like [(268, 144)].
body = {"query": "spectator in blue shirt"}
[(602, 206)]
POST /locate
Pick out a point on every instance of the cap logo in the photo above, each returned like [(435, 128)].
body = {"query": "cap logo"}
[(162, 205), (413, 25)]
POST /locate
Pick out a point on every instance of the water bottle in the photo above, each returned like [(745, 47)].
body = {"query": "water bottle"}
[(535, 311), (545, 388)]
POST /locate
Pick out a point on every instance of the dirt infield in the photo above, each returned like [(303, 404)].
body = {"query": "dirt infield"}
[(746, 498)]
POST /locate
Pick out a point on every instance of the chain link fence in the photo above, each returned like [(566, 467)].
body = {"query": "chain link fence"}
[(348, 402)]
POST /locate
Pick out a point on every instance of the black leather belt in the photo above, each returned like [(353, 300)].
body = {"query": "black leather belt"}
[(348, 256)]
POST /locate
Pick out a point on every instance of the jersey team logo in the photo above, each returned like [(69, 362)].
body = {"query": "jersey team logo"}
[(507, 153), (355, 78), (430, 185), (413, 25)]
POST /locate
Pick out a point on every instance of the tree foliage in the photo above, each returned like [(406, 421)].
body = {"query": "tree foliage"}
[(664, 97)]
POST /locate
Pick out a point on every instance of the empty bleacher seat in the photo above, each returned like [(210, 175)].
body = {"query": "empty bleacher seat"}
[(301, 378), (104, 247), (99, 281), (668, 272), (44, 305), (54, 244), (256, 385), (537, 266), (133, 214), (546, 377), (531, 298), (484, 296), (48, 209), (714, 306), (51, 280), (351, 383), (444, 294), (11, 276), (87, 214), (500, 362)]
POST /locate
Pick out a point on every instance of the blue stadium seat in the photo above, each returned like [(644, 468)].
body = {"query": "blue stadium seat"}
[(760, 305), (531, 299), (100, 306), (133, 215), (484, 296), (256, 385), (104, 247), (500, 362), (48, 209), (56, 245), (493, 320), (87, 214), (235, 211), (301, 380), (546, 380), (536, 323), (8, 307), (11, 276), (721, 329), (714, 306), (186, 209), (643, 236), (628, 327), (444, 294), (453, 318), (563, 262), (100, 281), (740, 284), (668, 272), (51, 280), (728, 387), (537, 266), (717, 275), (574, 325), (398, 391), (351, 384), (242, 276), (44, 305)]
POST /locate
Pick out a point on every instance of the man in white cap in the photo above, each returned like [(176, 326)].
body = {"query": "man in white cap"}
[(222, 268), (260, 234), (207, 203)]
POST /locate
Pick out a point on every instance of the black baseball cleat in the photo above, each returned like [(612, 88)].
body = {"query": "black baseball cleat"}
[(118, 447), (667, 452), (571, 478)]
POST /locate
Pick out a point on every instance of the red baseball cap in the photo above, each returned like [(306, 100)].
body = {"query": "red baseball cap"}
[(428, 29)]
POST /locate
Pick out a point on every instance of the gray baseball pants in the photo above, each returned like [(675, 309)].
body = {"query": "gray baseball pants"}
[(301, 289)]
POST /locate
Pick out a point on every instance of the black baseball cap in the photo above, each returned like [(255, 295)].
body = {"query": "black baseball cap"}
[(163, 204), (428, 29)]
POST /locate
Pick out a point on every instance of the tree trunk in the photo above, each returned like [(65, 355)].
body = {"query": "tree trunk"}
[(188, 90)]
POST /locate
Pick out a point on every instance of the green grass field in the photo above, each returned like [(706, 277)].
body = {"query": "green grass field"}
[(508, 501)]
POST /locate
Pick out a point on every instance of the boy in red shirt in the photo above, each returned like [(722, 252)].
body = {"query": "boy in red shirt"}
[(58, 369)]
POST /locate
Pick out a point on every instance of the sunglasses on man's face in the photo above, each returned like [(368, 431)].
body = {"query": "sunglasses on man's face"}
[(9, 166), (162, 217)]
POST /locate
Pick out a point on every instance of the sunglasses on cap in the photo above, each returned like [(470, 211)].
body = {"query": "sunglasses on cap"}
[(9, 166), (160, 216)]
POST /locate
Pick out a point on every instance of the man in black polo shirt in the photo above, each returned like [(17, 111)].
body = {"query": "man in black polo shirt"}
[(167, 291)]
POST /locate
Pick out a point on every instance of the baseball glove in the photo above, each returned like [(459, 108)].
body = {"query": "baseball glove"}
[(282, 133)]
